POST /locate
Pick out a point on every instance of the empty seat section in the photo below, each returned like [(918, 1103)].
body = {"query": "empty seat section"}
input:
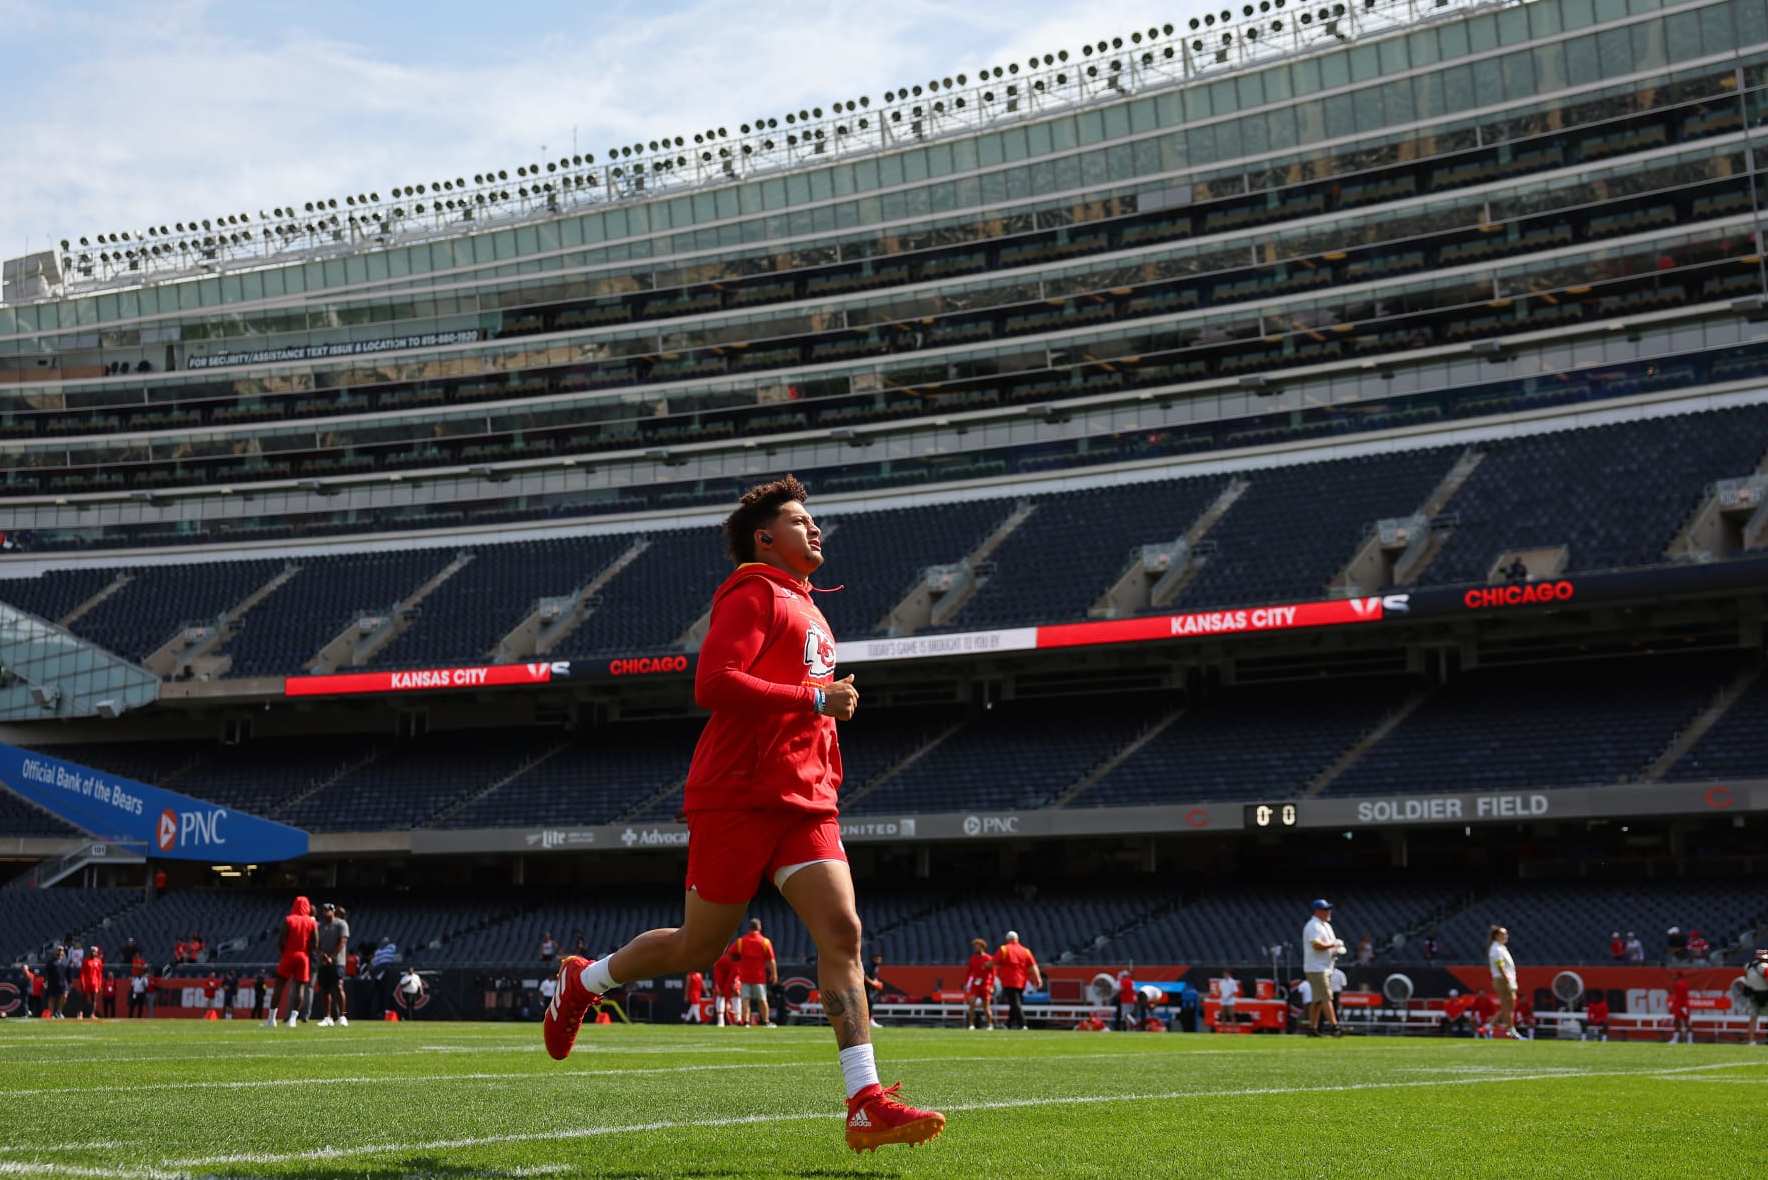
[(656, 599), (876, 557), (159, 599), (1736, 746), (1018, 754), (55, 594), (1247, 744), (599, 776), (413, 781), (1614, 495), (1540, 726), (1242, 924), (1296, 527), (466, 616), (282, 636), (1572, 922), (1074, 545)]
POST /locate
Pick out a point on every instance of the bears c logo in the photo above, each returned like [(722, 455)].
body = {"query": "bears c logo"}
[(167, 836), (819, 651)]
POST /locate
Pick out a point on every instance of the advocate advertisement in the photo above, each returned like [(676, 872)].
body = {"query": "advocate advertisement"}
[(167, 823)]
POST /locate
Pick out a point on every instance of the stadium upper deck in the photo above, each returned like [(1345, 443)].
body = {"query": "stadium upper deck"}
[(1495, 207)]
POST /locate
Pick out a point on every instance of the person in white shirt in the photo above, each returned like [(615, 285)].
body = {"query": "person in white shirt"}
[(1754, 989), (1503, 982), (1319, 946), (1228, 992)]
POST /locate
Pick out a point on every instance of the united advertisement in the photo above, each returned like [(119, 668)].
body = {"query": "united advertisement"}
[(166, 823)]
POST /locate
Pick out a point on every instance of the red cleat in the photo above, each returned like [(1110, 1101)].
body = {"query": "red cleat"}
[(570, 1004), (876, 1119)]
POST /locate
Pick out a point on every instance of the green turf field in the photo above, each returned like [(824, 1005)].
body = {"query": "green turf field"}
[(181, 1098)]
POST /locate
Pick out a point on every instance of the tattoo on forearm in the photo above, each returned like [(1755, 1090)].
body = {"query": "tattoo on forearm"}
[(846, 1009)]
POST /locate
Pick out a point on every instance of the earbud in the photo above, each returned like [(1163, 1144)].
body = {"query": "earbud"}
[(767, 538)]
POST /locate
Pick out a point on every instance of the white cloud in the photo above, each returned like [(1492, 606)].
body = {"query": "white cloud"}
[(178, 118)]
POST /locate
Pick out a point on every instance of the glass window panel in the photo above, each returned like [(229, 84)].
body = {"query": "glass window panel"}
[(1117, 121), (1488, 81), (1280, 127), (798, 188), (1615, 49), (1172, 149), (1393, 55), (1452, 38), (1582, 65), (1253, 135), (1365, 63), (1341, 117), (749, 198), (964, 158), (1427, 95), (1716, 34), (1543, 19), (1682, 35), (1482, 33), (1513, 26), (914, 166), (822, 184), (1221, 97), (889, 171), (1579, 14), (1607, 10), (1396, 102), (1310, 119), (1519, 75), (1304, 76), (1752, 22), (1013, 145), (1422, 48), (1196, 103), (843, 175), (1250, 91), (939, 159), (1335, 71), (1549, 66), (1090, 125)]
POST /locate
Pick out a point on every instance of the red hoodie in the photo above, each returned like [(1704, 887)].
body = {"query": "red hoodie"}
[(767, 649), (299, 928)]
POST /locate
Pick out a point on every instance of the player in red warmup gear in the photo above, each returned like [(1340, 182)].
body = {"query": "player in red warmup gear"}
[(979, 985), (724, 989), (300, 933), (761, 803)]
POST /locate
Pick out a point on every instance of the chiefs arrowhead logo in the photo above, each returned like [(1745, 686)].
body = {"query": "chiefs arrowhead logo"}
[(168, 830), (819, 651)]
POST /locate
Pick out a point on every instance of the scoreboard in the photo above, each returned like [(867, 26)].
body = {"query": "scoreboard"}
[(1270, 815)]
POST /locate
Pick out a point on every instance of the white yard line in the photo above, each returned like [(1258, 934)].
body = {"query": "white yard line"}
[(557, 1076), (327, 1153)]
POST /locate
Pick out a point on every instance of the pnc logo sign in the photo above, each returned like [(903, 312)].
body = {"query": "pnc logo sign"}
[(190, 828)]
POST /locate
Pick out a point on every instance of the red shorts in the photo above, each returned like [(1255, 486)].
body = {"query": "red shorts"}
[(730, 853), (294, 966), (981, 993)]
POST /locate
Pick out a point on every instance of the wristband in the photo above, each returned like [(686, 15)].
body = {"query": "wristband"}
[(822, 699)]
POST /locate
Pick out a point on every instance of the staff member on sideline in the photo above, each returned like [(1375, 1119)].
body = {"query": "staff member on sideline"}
[(1319, 946), (1016, 966), (1504, 982)]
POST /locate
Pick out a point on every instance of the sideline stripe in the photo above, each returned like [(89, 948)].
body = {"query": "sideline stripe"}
[(326, 1153), (539, 1077)]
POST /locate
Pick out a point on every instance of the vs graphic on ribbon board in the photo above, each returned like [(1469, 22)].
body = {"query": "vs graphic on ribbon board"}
[(171, 825)]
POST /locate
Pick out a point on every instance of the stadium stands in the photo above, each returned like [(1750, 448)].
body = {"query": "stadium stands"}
[(1571, 922), (1248, 744), (1618, 493), (1015, 755), (1735, 747), (1540, 726), (1283, 538), (286, 633)]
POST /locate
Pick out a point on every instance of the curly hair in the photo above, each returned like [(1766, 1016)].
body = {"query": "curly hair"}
[(759, 505)]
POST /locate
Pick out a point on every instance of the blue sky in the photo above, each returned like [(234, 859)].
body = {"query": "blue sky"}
[(122, 114)]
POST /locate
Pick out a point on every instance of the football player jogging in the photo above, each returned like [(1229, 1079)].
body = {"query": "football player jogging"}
[(979, 984), (761, 803), (300, 930)]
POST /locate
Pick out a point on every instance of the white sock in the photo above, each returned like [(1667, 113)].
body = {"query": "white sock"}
[(858, 1068), (597, 978)]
